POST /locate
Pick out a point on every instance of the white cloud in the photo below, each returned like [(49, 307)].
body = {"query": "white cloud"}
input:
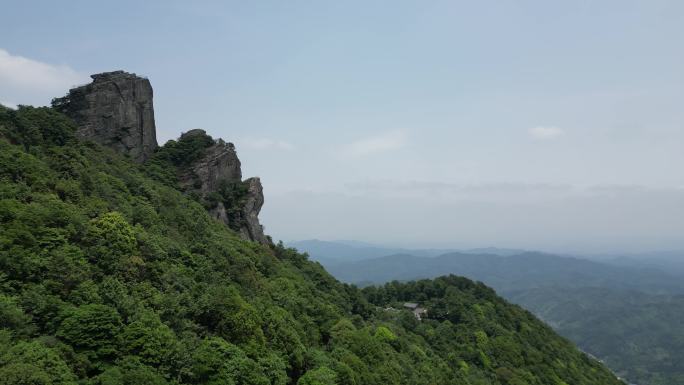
[(388, 141), (29, 81), (267, 144), (545, 132)]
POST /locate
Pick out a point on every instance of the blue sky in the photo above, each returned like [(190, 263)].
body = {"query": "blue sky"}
[(537, 124)]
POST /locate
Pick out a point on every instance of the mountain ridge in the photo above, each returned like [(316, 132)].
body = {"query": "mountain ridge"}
[(546, 269)]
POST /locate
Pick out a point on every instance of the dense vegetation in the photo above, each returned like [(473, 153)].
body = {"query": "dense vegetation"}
[(109, 276), (640, 336), (631, 317)]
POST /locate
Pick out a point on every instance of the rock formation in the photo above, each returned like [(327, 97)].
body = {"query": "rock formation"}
[(217, 172), (218, 163), (250, 211), (116, 111)]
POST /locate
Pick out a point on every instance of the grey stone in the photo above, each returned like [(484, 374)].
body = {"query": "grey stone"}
[(219, 163), (219, 212), (250, 211), (116, 111)]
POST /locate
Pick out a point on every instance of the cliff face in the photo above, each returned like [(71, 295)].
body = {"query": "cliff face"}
[(250, 211), (116, 111), (217, 177)]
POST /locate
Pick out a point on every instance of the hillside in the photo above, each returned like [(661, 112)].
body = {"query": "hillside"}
[(628, 315), (130, 265), (640, 336)]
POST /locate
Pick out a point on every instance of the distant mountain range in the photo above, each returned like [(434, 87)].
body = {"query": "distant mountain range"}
[(506, 270), (669, 261), (347, 250), (511, 273)]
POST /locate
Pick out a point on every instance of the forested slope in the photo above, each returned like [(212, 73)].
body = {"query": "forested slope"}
[(639, 335), (630, 317), (109, 274)]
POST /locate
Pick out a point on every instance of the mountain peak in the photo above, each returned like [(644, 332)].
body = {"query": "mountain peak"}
[(114, 110)]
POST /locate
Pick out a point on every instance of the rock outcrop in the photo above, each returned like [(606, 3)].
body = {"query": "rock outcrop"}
[(250, 211), (217, 177), (116, 111), (218, 163)]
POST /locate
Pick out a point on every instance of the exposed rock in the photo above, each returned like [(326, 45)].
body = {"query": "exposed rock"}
[(218, 172), (219, 212), (115, 110), (218, 163), (250, 210)]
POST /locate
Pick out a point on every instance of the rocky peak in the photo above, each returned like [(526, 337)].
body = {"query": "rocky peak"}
[(216, 176), (116, 111)]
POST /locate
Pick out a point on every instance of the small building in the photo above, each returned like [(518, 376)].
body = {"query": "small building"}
[(418, 311)]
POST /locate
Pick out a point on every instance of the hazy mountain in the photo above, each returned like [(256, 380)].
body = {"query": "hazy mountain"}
[(667, 261), (330, 251), (522, 271), (349, 250)]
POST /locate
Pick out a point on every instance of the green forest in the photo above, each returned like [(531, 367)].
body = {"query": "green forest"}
[(637, 334), (110, 274), (629, 317)]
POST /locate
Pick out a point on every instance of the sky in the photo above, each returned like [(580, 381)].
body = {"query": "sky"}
[(545, 125)]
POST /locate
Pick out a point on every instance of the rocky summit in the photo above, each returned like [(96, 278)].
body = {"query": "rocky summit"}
[(115, 110)]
